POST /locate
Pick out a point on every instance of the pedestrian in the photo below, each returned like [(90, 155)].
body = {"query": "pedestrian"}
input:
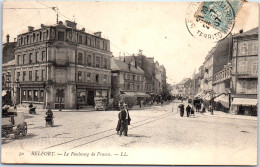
[(211, 109), (188, 108), (182, 110), (192, 112), (118, 124), (203, 108), (124, 120)]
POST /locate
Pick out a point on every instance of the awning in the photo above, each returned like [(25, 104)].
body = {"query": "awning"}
[(130, 94), (4, 92), (140, 94), (223, 99), (244, 102), (199, 95), (206, 97)]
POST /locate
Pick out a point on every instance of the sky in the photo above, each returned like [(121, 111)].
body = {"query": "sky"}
[(157, 28)]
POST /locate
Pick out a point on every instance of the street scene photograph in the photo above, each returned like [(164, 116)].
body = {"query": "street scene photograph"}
[(130, 83)]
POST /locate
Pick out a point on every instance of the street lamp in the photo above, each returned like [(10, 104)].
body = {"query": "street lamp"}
[(17, 84)]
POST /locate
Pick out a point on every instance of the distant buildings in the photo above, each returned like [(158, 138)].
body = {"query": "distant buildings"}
[(228, 77)]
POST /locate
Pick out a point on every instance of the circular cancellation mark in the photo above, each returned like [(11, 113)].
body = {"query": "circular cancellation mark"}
[(209, 22)]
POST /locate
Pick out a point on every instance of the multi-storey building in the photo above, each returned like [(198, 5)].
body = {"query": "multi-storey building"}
[(127, 79), (245, 72), (208, 74), (8, 80), (158, 79), (62, 66), (148, 66)]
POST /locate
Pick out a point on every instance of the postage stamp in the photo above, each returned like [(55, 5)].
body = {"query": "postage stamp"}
[(202, 29), (219, 14)]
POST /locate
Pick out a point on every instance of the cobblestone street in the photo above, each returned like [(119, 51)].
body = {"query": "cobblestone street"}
[(158, 129)]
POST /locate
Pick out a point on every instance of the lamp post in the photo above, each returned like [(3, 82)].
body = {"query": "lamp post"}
[(8, 87), (17, 84)]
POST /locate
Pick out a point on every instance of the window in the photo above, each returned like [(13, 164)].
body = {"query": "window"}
[(105, 45), (255, 48), (89, 42), (124, 76), (38, 37), (80, 58), (128, 86), (36, 57), (41, 95), (89, 76), (35, 95), (89, 60), (24, 96), (105, 63), (79, 76), (30, 58), (43, 56), (138, 87), (105, 79), (60, 36), (30, 75), (36, 75), (244, 48), (243, 67), (24, 56), (97, 78), (29, 95), (97, 61), (243, 84), (18, 76), (80, 39), (133, 77), (138, 78), (24, 75), (98, 44), (43, 75), (18, 59), (254, 68)]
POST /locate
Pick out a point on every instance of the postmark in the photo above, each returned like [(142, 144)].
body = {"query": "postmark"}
[(219, 14), (204, 31)]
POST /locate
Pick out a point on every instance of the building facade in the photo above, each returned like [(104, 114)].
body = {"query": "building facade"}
[(245, 72), (61, 66), (127, 79)]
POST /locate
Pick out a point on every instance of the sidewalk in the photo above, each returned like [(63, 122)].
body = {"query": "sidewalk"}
[(232, 116)]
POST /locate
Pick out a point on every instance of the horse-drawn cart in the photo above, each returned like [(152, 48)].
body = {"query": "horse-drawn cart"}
[(13, 123)]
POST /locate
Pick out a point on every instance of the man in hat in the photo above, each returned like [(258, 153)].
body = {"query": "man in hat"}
[(124, 119)]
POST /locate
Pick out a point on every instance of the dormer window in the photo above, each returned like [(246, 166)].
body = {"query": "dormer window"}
[(60, 36)]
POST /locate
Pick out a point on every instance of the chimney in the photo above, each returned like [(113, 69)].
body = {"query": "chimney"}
[(30, 28), (14, 39), (71, 24), (7, 38), (43, 26), (241, 31), (97, 34)]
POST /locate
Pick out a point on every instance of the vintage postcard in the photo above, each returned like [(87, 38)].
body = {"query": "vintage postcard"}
[(133, 83)]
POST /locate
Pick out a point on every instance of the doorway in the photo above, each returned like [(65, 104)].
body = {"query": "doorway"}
[(90, 99)]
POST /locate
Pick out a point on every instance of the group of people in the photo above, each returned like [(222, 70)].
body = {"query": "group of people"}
[(123, 120), (189, 111)]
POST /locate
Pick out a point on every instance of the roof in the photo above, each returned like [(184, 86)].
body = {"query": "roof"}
[(253, 31), (117, 65), (9, 63), (184, 81)]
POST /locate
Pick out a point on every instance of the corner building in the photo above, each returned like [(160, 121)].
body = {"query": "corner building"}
[(61, 65)]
